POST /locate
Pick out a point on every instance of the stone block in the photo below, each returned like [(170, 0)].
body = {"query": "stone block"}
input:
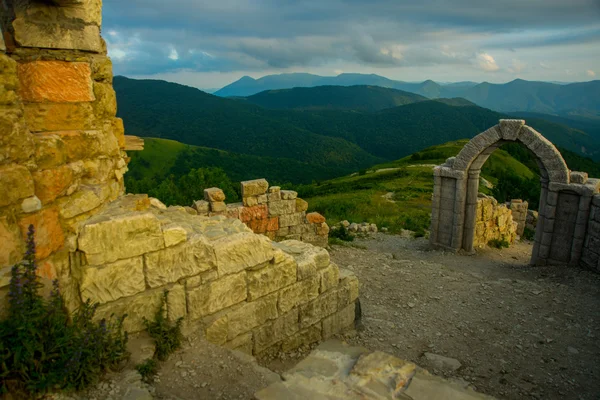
[(273, 197), (218, 207), (291, 219), (174, 234), (307, 336), (110, 282), (319, 308), (16, 183), (301, 205), (315, 218), (49, 235), (274, 189), (282, 207), (241, 343), (176, 303), (262, 199), (240, 251), (322, 229), (80, 145), (49, 117), (214, 195), (275, 331), (329, 277), (55, 81), (256, 212), (143, 305), (254, 187), (339, 322), (80, 202), (251, 315), (52, 183), (183, 260), (201, 206), (271, 278), (579, 177), (12, 245), (288, 195), (217, 329), (299, 293), (250, 201), (216, 295), (510, 128), (105, 239)]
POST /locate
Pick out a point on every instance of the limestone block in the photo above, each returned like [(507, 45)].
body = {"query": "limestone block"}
[(299, 293), (11, 243), (183, 260), (176, 303), (291, 219), (143, 305), (48, 117), (272, 332), (282, 207), (262, 199), (174, 234), (202, 206), (16, 143), (218, 206), (237, 252), (256, 212), (80, 202), (510, 128), (319, 308), (110, 282), (105, 238), (254, 187), (241, 343), (52, 183), (50, 151), (216, 331), (315, 218), (348, 288), (273, 196), (271, 278), (288, 195), (251, 315), (579, 177), (338, 322), (322, 229), (307, 336), (301, 205), (214, 194), (274, 189), (156, 203), (216, 295), (329, 277), (105, 105), (49, 235), (15, 183), (250, 201), (55, 81)]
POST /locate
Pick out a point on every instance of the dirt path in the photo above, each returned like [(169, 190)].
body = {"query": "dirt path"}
[(520, 332)]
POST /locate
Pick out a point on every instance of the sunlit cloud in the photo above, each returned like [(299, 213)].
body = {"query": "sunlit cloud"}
[(486, 62)]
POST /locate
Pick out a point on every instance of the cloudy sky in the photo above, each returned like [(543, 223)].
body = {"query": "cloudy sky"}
[(210, 43)]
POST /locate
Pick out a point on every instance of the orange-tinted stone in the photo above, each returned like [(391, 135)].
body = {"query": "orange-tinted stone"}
[(49, 235), (119, 131), (15, 184), (51, 183), (315, 218), (55, 81), (258, 225), (273, 224), (254, 213)]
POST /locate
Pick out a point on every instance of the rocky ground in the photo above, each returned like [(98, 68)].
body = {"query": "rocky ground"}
[(509, 330)]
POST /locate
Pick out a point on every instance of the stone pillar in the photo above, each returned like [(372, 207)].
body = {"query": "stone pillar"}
[(470, 210), (519, 214), (61, 146)]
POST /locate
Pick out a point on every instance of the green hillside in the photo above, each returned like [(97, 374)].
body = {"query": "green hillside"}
[(363, 98)]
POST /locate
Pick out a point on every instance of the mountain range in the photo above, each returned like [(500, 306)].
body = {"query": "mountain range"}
[(573, 99)]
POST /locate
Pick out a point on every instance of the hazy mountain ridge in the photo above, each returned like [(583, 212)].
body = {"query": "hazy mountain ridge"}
[(582, 98)]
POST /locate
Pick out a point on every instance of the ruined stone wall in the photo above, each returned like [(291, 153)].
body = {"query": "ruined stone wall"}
[(493, 221), (519, 214), (278, 214), (590, 257), (61, 147)]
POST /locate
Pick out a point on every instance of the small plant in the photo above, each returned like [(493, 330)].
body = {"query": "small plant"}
[(528, 234), (42, 347), (341, 233), (166, 335), (498, 243), (147, 369)]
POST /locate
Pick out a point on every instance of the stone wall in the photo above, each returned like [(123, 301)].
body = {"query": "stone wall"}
[(278, 214), (62, 153), (241, 289), (519, 214), (590, 257), (493, 222)]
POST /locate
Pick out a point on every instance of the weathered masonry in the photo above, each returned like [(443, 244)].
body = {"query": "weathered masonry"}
[(62, 161), (565, 224)]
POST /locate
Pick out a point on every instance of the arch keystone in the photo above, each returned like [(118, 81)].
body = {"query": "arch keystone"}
[(510, 128)]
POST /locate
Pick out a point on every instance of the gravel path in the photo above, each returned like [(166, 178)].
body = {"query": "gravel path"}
[(519, 332)]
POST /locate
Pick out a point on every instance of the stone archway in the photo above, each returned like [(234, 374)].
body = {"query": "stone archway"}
[(564, 201)]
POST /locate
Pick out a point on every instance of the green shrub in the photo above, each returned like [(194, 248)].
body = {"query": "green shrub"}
[(147, 369), (498, 243), (166, 335), (528, 234), (341, 233), (43, 348)]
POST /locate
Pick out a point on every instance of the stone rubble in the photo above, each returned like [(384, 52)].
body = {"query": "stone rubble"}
[(493, 221)]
